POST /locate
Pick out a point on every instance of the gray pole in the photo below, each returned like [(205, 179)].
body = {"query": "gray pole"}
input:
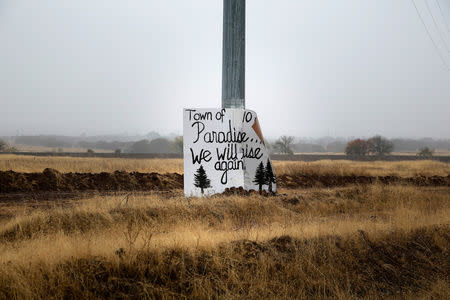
[(233, 67)]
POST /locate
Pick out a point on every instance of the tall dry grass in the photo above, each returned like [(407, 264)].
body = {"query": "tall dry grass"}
[(28, 164), (375, 168), (361, 241), (95, 165)]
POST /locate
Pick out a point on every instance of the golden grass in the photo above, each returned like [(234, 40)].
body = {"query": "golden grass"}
[(30, 164), (361, 241), (315, 243), (54, 236), (95, 165), (376, 168)]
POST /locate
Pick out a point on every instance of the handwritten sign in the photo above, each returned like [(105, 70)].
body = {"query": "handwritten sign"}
[(224, 148)]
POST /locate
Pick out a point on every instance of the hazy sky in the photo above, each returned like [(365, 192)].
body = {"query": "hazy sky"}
[(314, 68)]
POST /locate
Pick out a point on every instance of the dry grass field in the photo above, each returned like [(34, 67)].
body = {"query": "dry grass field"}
[(361, 241), (28, 164)]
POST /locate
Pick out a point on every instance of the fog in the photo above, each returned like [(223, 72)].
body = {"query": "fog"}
[(314, 68)]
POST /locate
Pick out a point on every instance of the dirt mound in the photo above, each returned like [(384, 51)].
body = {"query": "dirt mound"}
[(52, 180), (329, 180), (240, 191)]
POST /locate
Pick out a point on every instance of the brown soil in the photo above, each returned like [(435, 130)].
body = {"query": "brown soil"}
[(53, 181), (240, 191), (330, 180)]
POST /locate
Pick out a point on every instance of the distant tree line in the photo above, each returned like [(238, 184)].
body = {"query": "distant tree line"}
[(374, 146), (413, 145), (45, 141), (152, 145), (159, 145), (104, 145), (174, 144), (379, 146)]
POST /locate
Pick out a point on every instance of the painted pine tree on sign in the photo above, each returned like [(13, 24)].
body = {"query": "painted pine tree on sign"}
[(270, 177), (201, 180), (260, 176)]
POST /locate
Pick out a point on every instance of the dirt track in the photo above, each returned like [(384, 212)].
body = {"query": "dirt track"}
[(52, 180)]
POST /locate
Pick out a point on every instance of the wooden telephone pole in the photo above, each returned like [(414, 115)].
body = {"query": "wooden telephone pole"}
[(233, 67)]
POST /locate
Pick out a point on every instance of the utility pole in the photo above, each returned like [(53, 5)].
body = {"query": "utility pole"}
[(224, 147), (233, 67)]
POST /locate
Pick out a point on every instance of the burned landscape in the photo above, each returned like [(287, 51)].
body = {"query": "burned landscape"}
[(140, 160), (98, 228)]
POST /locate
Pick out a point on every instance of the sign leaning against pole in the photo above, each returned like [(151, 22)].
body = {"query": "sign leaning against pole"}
[(224, 147)]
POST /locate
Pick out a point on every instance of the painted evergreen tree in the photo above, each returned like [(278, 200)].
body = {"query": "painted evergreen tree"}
[(201, 180), (260, 176), (270, 177)]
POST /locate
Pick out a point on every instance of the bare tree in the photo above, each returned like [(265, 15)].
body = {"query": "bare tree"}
[(425, 152), (357, 147), (3, 145), (284, 144), (380, 146)]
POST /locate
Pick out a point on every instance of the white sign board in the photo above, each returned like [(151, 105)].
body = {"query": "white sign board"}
[(224, 148)]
